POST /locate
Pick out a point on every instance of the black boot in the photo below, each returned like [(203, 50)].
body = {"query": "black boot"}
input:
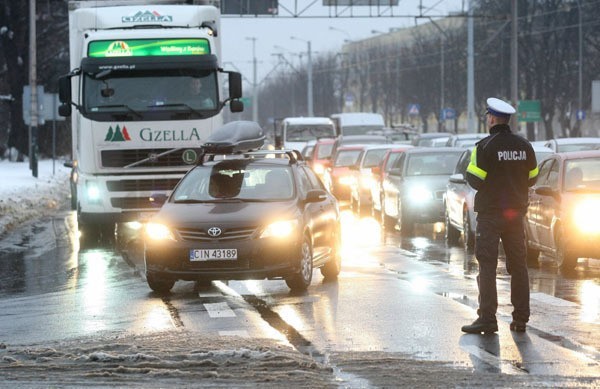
[(479, 326), (518, 326)]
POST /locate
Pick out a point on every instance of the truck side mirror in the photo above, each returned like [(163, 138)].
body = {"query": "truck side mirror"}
[(64, 89), (235, 85), (64, 110), (236, 106)]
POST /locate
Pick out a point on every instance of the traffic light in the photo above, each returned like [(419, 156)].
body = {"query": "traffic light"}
[(249, 7)]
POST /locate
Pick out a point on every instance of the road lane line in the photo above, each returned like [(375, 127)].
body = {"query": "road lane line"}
[(216, 310)]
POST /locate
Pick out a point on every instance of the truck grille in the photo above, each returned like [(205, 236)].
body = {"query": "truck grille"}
[(142, 185), (128, 203), (200, 235), (121, 158)]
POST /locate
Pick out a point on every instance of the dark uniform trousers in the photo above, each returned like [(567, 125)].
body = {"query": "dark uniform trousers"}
[(491, 227)]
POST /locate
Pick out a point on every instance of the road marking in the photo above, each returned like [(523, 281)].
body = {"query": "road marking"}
[(492, 360), (546, 298), (219, 310), (241, 333)]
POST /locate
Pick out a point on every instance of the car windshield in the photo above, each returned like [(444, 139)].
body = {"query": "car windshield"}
[(346, 157), (235, 181), (423, 164), (373, 157), (582, 174), (305, 132), (578, 147), (324, 151)]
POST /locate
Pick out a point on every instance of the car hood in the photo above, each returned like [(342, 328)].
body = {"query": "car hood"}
[(242, 213)]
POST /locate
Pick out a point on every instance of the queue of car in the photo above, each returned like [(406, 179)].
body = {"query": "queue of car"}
[(247, 213)]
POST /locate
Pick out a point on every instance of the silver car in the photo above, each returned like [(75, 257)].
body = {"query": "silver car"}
[(414, 189)]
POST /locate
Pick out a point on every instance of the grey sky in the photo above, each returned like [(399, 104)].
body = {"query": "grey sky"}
[(276, 31)]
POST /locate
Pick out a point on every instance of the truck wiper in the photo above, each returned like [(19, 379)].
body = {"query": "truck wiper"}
[(122, 106), (178, 105)]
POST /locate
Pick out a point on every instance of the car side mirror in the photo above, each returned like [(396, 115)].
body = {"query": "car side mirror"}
[(457, 178), (546, 191), (315, 196), (376, 170), (158, 199)]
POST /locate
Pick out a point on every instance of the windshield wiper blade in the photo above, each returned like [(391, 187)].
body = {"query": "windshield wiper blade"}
[(178, 105), (192, 201), (122, 106)]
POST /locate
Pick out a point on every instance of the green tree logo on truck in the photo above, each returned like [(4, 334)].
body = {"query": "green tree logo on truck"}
[(117, 135)]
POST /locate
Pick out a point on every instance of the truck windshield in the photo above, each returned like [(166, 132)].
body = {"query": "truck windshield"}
[(304, 133), (149, 93)]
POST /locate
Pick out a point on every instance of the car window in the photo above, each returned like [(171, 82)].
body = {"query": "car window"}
[(346, 157), (324, 151), (390, 161), (463, 163), (304, 184), (234, 180), (543, 173), (315, 182), (398, 165), (432, 164), (553, 176), (582, 174), (373, 157)]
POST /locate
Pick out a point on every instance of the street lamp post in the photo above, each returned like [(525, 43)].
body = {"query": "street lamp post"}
[(254, 82), (580, 78), (310, 81)]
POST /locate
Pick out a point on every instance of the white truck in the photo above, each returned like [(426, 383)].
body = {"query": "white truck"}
[(357, 123), (296, 132), (146, 83)]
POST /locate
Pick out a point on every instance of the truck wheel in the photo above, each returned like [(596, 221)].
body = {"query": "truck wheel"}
[(159, 285), (300, 281)]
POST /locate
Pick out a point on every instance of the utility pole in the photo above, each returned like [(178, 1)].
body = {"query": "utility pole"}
[(33, 163), (310, 80), (254, 81), (471, 124), (514, 66)]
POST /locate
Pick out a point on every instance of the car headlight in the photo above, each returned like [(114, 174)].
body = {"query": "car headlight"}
[(318, 168), (280, 229), (586, 215), (419, 194), (157, 231)]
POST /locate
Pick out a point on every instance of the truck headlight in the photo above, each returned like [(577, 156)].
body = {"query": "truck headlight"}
[(280, 229), (92, 192), (158, 232), (586, 215)]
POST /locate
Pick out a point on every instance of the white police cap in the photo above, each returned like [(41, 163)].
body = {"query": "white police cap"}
[(499, 107)]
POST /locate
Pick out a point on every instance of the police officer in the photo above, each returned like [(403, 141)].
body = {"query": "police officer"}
[(502, 167)]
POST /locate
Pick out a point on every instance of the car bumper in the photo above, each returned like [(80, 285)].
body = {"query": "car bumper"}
[(426, 211), (256, 259)]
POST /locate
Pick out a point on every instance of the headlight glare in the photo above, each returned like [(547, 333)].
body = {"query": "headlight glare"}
[(586, 215), (419, 194), (157, 231), (93, 192), (318, 168), (280, 229), (346, 180)]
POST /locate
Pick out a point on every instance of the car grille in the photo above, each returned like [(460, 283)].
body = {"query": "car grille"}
[(121, 158), (141, 185), (200, 235)]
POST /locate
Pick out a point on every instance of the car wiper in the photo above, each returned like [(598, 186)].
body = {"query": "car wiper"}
[(192, 201), (121, 106), (178, 105)]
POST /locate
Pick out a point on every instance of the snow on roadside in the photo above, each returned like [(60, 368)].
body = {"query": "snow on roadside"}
[(24, 197)]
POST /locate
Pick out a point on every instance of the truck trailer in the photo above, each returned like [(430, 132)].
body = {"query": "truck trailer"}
[(147, 86)]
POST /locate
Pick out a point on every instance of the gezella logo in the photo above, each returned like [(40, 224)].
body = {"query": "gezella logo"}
[(117, 135), (146, 16)]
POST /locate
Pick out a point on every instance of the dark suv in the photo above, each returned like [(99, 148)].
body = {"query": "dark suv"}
[(244, 215)]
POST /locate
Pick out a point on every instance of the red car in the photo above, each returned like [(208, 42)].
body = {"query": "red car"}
[(320, 156), (338, 176)]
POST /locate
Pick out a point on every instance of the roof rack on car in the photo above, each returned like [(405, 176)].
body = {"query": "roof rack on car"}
[(293, 155)]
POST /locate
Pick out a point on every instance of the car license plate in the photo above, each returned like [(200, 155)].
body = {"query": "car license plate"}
[(212, 254)]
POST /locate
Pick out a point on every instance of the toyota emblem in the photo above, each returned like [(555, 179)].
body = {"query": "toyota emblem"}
[(214, 231)]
